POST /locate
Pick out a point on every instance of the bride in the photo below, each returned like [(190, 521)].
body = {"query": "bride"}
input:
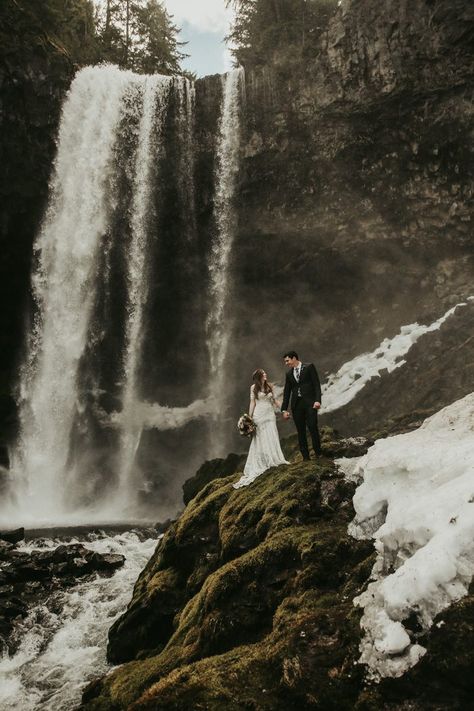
[(265, 450)]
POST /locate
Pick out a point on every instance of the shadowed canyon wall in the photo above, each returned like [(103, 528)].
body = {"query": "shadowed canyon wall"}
[(357, 192)]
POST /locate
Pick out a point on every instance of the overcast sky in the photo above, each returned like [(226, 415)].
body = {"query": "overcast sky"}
[(204, 24)]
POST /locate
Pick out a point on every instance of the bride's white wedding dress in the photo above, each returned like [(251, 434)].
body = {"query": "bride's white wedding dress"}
[(265, 450)]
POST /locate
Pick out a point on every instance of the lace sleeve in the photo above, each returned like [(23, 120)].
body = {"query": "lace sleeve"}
[(252, 393)]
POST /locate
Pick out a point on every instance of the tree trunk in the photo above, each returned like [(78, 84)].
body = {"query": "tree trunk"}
[(107, 16), (127, 33)]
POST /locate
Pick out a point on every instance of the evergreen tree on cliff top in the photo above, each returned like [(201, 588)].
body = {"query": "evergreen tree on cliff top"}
[(277, 31), (139, 35)]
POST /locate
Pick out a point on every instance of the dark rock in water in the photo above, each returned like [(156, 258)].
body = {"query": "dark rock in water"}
[(5, 548), (10, 609), (214, 469), (26, 578), (107, 561), (13, 536)]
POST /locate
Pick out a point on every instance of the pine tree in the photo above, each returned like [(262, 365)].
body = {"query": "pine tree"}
[(277, 30), (64, 26), (139, 35), (155, 47)]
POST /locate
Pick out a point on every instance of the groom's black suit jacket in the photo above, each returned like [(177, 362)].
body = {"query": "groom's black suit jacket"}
[(309, 385)]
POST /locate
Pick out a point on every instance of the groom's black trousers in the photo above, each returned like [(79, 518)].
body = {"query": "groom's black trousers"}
[(305, 416)]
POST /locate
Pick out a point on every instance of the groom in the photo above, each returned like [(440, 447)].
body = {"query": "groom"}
[(302, 383)]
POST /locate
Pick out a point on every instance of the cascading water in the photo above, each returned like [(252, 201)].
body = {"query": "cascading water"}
[(117, 291), (227, 168), (64, 285), (155, 95)]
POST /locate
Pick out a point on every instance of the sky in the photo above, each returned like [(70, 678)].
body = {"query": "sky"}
[(204, 24)]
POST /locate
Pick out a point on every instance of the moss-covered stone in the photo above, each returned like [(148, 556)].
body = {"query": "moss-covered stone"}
[(250, 589), (214, 469), (247, 603)]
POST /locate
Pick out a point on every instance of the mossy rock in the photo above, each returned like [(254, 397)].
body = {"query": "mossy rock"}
[(213, 469), (333, 445), (247, 603), (250, 590)]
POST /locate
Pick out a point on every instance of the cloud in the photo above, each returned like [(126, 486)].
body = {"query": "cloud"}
[(203, 15)]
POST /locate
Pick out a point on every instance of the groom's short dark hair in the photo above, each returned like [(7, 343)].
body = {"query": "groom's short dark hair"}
[(291, 354)]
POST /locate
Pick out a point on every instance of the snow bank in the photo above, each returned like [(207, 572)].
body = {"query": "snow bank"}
[(343, 386), (417, 503)]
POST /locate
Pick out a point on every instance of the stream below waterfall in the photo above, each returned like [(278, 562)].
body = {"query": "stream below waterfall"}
[(61, 645)]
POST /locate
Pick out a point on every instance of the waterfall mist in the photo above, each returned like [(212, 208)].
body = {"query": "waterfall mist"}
[(125, 358)]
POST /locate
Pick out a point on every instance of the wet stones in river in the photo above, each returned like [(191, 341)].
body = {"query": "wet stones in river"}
[(27, 578)]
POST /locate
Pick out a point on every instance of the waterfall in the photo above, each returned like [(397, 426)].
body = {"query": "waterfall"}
[(122, 326), (155, 95), (227, 167), (151, 128), (64, 284)]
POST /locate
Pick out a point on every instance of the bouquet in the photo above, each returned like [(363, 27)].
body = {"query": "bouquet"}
[(246, 426)]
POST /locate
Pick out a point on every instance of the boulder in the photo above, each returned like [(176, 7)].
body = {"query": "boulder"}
[(15, 536)]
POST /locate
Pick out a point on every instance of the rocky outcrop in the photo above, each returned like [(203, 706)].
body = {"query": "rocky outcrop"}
[(332, 443), (242, 580), (215, 469), (248, 603)]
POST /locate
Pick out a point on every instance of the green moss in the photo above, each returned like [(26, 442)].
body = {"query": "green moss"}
[(248, 604), (255, 575)]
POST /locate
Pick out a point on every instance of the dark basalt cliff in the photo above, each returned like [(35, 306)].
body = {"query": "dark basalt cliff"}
[(356, 198)]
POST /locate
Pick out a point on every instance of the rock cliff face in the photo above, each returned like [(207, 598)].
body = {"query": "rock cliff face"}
[(357, 191)]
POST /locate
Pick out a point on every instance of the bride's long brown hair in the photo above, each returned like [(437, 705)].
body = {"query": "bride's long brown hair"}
[(258, 383)]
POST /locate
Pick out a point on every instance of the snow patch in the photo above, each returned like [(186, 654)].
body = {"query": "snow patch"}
[(353, 376), (417, 503)]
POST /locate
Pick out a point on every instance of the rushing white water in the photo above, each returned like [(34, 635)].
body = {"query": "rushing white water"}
[(62, 643), (91, 286), (155, 102), (187, 98), (227, 167), (86, 393), (64, 283)]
